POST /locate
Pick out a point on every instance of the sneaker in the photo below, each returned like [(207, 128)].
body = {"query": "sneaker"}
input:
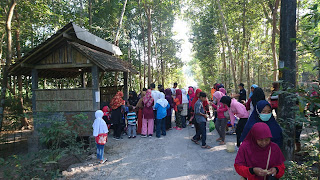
[(129, 137), (143, 136), (150, 135), (134, 136), (119, 138), (192, 125), (113, 137)]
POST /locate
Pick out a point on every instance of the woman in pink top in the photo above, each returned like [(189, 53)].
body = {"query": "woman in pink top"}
[(222, 121), (238, 109)]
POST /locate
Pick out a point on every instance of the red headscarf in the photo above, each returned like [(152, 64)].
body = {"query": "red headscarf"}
[(195, 99), (179, 95), (191, 94), (251, 154), (147, 99), (117, 100), (105, 110)]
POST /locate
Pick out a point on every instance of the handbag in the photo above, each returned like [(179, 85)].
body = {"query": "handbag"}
[(102, 138), (212, 126), (274, 104)]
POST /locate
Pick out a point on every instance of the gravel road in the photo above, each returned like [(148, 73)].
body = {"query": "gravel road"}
[(174, 156)]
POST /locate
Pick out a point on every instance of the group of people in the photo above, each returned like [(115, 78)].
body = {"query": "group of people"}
[(259, 136)]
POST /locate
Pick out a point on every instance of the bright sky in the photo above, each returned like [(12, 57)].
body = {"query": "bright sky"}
[(182, 29)]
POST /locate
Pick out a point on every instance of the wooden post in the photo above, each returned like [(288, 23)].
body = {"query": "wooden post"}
[(34, 86), (33, 141), (287, 64), (125, 86), (95, 86)]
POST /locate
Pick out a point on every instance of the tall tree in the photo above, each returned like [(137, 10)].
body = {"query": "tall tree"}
[(288, 60), (8, 60)]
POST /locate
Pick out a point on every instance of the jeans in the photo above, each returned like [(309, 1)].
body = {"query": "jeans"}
[(168, 122), (132, 130), (100, 151), (201, 130), (221, 127), (161, 127), (240, 126), (183, 121)]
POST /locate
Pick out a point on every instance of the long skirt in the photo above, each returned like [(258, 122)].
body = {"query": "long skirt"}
[(140, 115)]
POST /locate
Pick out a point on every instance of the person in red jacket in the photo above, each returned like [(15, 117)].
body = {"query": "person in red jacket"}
[(258, 156)]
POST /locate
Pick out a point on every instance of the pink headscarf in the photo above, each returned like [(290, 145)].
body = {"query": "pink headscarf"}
[(223, 91), (251, 154), (147, 99)]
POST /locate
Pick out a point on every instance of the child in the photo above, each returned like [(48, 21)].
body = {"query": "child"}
[(178, 108), (221, 121), (131, 117), (258, 157), (100, 131), (106, 116), (162, 105), (201, 119)]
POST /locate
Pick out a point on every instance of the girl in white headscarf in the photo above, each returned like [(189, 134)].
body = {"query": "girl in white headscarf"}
[(184, 112), (162, 105), (100, 130)]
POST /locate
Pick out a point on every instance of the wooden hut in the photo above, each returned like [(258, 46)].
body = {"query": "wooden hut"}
[(70, 53)]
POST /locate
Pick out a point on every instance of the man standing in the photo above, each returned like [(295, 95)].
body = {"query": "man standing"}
[(201, 118), (173, 90), (242, 94)]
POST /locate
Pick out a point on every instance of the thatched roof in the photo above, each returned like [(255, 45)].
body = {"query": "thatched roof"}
[(96, 50)]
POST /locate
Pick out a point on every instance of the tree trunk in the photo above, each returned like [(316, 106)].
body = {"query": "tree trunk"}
[(120, 23), (24, 121), (90, 14), (148, 13), (8, 61), (243, 40), (1, 51), (286, 113), (273, 43), (223, 57), (248, 67), (224, 26)]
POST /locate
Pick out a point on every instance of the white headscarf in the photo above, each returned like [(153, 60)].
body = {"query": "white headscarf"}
[(99, 125), (162, 101), (184, 96)]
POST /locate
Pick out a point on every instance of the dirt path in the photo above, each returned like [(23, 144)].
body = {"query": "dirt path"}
[(171, 157)]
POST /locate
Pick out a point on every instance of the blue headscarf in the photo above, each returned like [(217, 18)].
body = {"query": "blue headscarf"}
[(254, 86), (276, 130)]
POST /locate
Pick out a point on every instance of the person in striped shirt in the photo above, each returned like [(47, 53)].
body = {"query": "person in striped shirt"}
[(132, 123)]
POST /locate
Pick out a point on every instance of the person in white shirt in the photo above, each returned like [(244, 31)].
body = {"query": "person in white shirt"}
[(155, 95)]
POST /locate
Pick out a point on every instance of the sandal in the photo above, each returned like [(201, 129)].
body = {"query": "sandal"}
[(219, 139), (222, 143), (206, 147), (195, 141)]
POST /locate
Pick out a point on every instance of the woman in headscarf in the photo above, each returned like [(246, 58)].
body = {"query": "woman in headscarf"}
[(238, 109), (139, 108), (162, 105), (223, 91), (147, 120), (178, 109), (258, 157), (190, 96), (184, 112), (193, 102), (133, 98), (100, 131), (168, 96), (263, 113), (275, 96), (117, 113), (221, 121)]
